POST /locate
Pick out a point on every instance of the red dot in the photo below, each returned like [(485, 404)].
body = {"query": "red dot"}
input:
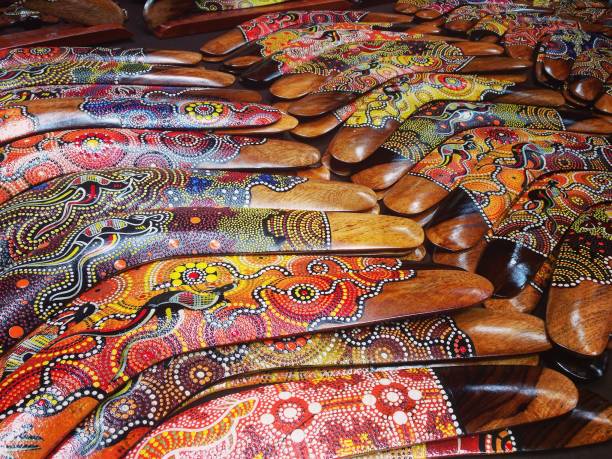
[(16, 332)]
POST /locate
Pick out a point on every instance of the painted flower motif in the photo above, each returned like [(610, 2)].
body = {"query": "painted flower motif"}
[(503, 136), (193, 273), (391, 398), (290, 413), (454, 83), (204, 111), (123, 408), (200, 374)]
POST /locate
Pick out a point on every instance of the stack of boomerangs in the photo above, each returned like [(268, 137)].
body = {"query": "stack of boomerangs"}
[(178, 278), (67, 22)]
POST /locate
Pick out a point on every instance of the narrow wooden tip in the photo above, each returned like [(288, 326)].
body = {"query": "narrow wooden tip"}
[(353, 145), (413, 195), (241, 62), (175, 57), (427, 15), (525, 302), (459, 26), (503, 333), (459, 233), (276, 153), (381, 176), (374, 233), (318, 104), (317, 127), (539, 97), (465, 259), (224, 44), (477, 48), (496, 63), (295, 86)]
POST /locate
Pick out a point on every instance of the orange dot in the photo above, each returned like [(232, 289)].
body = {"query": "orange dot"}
[(22, 283), (195, 220), (16, 332), (120, 264), (174, 243), (214, 244)]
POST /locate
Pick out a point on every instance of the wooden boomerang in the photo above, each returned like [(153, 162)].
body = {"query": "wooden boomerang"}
[(435, 122), (362, 402), (347, 86), (480, 200), (466, 153), (158, 313), (20, 57), (375, 116), (587, 424), (483, 330), (138, 238), (431, 10), (40, 116), (266, 24), (34, 160), (111, 91), (86, 72), (541, 229), (578, 310), (34, 217)]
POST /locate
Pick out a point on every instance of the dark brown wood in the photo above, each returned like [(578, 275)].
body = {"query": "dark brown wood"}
[(66, 35), (86, 12)]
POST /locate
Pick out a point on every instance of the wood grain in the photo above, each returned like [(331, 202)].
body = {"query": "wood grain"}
[(579, 318), (316, 195), (66, 35), (90, 12)]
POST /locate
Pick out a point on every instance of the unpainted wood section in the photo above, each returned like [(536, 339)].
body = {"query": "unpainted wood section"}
[(353, 145), (580, 318), (539, 97), (503, 333), (276, 153), (459, 233), (373, 232), (525, 302), (316, 127), (595, 125), (374, 210), (466, 259), (286, 123), (417, 254), (184, 76), (424, 218), (487, 398), (604, 104), (381, 176), (241, 62), (296, 85), (597, 430), (414, 195), (172, 57), (586, 89), (431, 291), (91, 12), (66, 35), (316, 195)]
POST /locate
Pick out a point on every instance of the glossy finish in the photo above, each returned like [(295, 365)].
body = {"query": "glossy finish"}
[(483, 197), (436, 339), (367, 411), (535, 225), (53, 275), (578, 312), (38, 159), (180, 307), (39, 116)]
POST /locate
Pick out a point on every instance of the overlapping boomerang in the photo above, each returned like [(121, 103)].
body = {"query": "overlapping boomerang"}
[(435, 122), (589, 423), (481, 200), (374, 117), (34, 160), (378, 411), (45, 282), (19, 57), (33, 218), (88, 72), (272, 300), (112, 91), (433, 9), (309, 76), (534, 151), (578, 309), (40, 116), (536, 223), (170, 384), (264, 25), (307, 49)]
